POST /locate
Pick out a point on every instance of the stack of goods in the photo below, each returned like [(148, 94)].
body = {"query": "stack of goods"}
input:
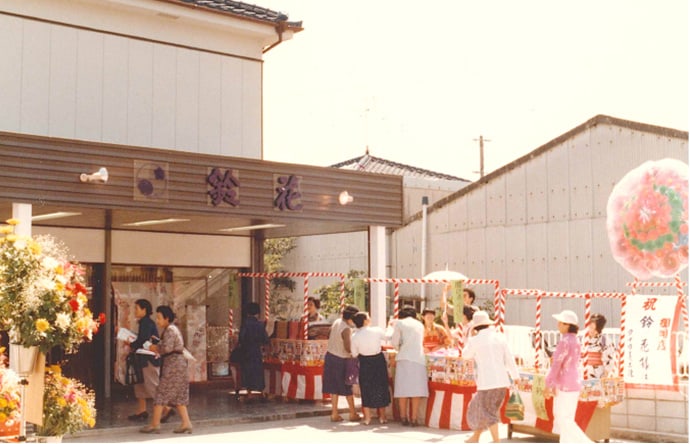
[(296, 351), (606, 391), (448, 367)]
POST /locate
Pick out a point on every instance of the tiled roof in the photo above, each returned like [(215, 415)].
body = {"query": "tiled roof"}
[(245, 10), (373, 164)]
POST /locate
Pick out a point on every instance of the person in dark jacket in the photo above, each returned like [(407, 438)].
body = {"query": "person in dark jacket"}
[(252, 336), (148, 364)]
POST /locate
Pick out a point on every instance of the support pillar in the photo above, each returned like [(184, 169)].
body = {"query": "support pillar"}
[(377, 269), (22, 212)]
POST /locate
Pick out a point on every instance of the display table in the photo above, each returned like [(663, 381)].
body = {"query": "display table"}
[(446, 407), (273, 376), (595, 421), (302, 382)]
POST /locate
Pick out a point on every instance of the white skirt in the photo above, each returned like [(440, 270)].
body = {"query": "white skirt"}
[(411, 380)]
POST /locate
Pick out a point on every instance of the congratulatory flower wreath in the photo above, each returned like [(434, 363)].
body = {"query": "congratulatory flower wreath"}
[(43, 296), (68, 405)]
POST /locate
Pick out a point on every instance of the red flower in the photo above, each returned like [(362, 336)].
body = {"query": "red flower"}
[(74, 304), (101, 318)]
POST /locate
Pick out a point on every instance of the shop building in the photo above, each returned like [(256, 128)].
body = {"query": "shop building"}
[(132, 132)]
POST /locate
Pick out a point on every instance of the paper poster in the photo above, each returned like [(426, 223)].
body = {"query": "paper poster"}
[(649, 343), (538, 401), (456, 292)]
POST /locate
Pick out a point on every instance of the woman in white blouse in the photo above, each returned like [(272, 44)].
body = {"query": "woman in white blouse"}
[(373, 371), (411, 381)]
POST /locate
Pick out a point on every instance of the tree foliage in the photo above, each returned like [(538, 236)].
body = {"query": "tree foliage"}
[(329, 295), (281, 303)]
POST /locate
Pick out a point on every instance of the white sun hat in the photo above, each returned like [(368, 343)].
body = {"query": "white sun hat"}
[(566, 317)]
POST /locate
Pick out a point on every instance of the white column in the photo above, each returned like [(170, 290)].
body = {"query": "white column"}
[(377, 269), (22, 212)]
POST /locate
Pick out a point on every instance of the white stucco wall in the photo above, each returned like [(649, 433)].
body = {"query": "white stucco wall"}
[(79, 83)]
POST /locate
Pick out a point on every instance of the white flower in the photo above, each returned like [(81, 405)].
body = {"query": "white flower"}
[(62, 321), (50, 263), (46, 283)]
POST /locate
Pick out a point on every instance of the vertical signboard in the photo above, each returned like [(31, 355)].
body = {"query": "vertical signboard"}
[(650, 342)]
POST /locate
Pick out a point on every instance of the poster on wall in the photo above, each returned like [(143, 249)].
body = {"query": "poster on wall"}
[(196, 337), (650, 343)]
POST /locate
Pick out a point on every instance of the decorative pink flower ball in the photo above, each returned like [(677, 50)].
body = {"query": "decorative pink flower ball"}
[(647, 219)]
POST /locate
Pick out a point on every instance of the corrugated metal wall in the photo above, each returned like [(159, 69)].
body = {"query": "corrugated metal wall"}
[(540, 222)]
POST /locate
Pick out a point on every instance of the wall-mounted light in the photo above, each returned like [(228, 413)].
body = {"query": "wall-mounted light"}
[(252, 227), (100, 176), (144, 223), (345, 198)]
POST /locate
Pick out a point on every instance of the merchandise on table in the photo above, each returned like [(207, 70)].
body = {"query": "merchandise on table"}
[(606, 391), (309, 353), (448, 367)]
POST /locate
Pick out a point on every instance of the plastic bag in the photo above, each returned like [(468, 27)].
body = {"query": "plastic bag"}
[(515, 409)]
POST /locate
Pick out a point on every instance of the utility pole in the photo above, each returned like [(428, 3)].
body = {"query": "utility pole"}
[(481, 154)]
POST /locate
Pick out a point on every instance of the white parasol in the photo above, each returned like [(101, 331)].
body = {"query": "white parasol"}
[(446, 275)]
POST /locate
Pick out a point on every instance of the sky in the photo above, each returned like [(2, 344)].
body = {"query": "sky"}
[(417, 82)]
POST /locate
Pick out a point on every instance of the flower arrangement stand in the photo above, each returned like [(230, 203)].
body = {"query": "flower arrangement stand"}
[(22, 361)]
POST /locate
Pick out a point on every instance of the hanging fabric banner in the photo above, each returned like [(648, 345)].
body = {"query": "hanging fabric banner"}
[(360, 294), (650, 342), (456, 292)]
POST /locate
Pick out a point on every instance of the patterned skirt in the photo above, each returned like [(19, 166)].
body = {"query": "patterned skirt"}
[(484, 408), (373, 381)]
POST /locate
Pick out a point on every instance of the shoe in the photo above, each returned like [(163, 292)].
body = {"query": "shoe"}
[(150, 429), (167, 416), (336, 418), (187, 430), (365, 422), (356, 418), (138, 416), (383, 420), (414, 424), (404, 422)]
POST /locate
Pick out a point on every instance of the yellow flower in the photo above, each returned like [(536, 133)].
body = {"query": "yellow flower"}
[(12, 221), (42, 325), (35, 248), (11, 237), (3, 403), (56, 369), (3, 418), (6, 229), (61, 402)]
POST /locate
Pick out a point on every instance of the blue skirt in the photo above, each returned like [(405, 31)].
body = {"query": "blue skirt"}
[(373, 381), (334, 376)]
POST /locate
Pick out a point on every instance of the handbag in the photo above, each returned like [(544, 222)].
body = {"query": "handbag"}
[(515, 409), (133, 372), (351, 371)]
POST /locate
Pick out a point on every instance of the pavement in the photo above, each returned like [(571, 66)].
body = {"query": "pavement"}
[(217, 416)]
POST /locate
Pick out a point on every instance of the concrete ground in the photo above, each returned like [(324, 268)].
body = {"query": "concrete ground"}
[(218, 417)]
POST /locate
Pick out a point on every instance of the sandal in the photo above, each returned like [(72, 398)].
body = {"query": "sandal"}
[(167, 416), (383, 421), (150, 429), (336, 418), (356, 418)]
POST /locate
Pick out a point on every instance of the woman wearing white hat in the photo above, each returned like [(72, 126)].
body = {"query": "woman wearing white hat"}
[(493, 364), (564, 379)]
